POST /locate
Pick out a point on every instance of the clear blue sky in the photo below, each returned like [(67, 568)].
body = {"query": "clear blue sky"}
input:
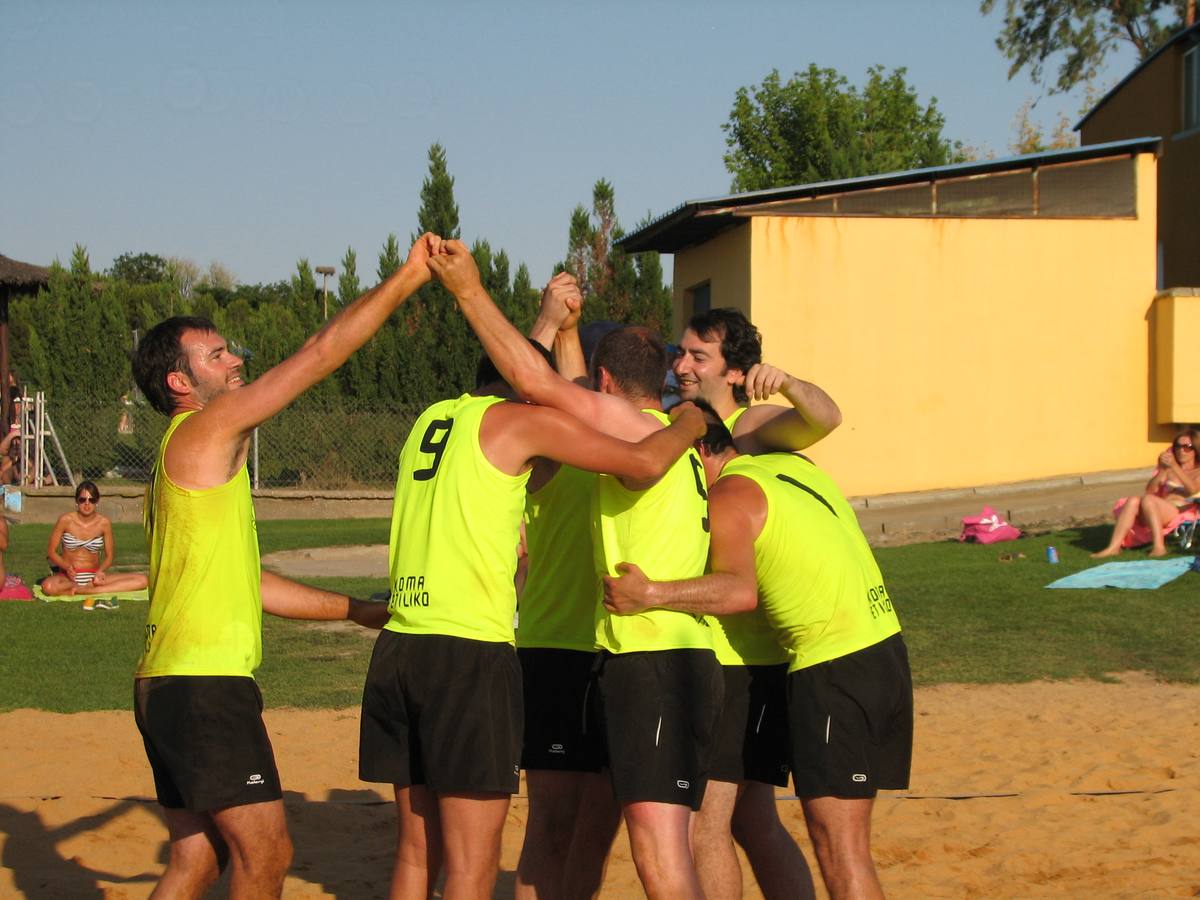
[(256, 133)]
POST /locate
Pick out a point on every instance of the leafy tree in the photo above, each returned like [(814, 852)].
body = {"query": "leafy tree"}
[(819, 127), (1083, 31), (1031, 138), (141, 268), (219, 276), (184, 273)]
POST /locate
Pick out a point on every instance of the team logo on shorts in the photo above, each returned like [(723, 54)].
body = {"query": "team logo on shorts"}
[(255, 779), (557, 748), (684, 785), (857, 777)]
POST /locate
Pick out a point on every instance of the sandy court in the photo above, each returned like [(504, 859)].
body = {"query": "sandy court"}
[(1071, 789)]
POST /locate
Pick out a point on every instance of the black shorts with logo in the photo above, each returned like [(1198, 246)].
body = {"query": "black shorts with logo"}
[(206, 742), (752, 734), (562, 728), (851, 723), (443, 712), (660, 712)]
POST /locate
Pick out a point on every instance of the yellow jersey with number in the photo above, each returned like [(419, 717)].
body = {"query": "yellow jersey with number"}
[(664, 531), (558, 605), (205, 613), (746, 639), (818, 582), (455, 527)]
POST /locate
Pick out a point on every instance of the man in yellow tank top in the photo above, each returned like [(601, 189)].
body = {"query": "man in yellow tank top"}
[(196, 702), (441, 717), (719, 360), (659, 680), (785, 538), (572, 815)]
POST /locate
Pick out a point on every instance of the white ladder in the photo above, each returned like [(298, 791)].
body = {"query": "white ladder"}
[(37, 470)]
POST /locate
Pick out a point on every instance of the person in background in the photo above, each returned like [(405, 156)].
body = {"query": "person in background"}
[(1148, 519), (82, 551)]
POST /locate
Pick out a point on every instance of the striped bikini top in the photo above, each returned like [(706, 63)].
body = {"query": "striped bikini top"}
[(95, 545)]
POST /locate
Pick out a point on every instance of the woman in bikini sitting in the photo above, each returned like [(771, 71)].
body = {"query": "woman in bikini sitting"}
[(82, 550), (1169, 494)]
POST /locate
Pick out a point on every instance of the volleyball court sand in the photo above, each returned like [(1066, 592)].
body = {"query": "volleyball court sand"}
[(1075, 789)]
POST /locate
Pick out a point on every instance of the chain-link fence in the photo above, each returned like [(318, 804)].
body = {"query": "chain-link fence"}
[(315, 445)]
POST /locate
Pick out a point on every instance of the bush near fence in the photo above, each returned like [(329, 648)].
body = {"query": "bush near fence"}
[(315, 444)]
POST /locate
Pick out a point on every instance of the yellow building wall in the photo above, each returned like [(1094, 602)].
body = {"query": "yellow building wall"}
[(723, 262), (962, 351), (1176, 328)]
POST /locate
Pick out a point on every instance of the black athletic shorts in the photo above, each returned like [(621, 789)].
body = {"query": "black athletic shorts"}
[(562, 728), (851, 723), (752, 733), (206, 742), (443, 712), (660, 714)]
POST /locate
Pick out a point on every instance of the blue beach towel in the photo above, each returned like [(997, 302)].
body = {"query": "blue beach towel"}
[(1142, 574)]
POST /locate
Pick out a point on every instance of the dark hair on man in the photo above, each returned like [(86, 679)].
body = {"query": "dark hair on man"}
[(159, 353), (487, 374), (741, 344), (717, 438), (90, 487), (636, 358)]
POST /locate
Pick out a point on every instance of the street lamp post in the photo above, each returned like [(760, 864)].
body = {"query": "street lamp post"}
[(325, 272)]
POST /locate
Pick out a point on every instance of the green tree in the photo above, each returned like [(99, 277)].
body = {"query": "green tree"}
[(389, 258), (614, 285), (1083, 32), (819, 127), (442, 345), (80, 264), (348, 286), (140, 268)]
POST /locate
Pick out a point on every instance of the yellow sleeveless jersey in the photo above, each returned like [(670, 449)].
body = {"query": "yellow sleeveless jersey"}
[(664, 531), (455, 527), (558, 606), (818, 581), (205, 582), (746, 639)]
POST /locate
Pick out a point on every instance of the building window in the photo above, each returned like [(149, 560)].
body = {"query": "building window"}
[(700, 298), (1191, 89)]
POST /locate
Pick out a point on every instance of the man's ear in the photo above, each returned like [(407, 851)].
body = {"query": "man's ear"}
[(605, 383), (179, 383), (734, 376)]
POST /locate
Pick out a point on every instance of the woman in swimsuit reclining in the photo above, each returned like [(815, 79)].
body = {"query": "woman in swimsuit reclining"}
[(82, 549)]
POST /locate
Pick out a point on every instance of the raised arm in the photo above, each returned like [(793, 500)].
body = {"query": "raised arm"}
[(736, 517), (293, 600), (521, 365), (762, 429), (238, 412), (512, 435)]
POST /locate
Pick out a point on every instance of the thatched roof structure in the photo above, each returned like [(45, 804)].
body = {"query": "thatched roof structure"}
[(16, 274)]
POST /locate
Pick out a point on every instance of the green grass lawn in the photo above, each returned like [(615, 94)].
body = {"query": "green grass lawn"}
[(967, 618)]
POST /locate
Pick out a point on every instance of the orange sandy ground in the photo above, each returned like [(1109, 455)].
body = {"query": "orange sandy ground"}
[(1047, 789)]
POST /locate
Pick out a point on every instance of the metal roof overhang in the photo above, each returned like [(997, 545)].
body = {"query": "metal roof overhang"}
[(697, 221)]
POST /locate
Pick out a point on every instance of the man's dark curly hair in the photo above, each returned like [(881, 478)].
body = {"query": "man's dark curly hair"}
[(160, 353), (741, 344)]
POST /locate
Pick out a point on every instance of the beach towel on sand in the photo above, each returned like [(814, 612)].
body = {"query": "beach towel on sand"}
[(1142, 574)]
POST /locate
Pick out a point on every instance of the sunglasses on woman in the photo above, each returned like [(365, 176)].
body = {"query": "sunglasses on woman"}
[(1191, 447), (85, 499)]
